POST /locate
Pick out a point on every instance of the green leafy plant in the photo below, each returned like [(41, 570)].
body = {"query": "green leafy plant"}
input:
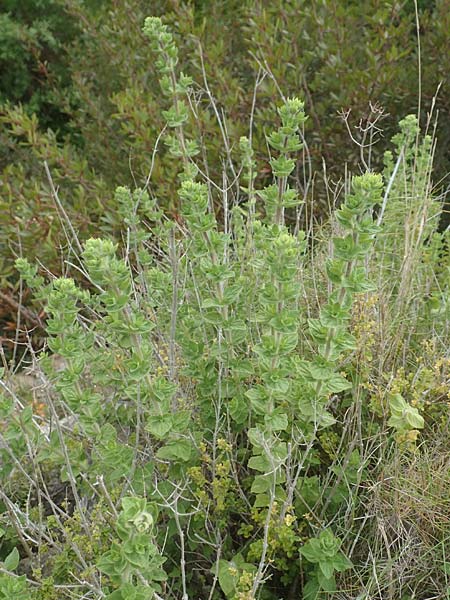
[(405, 419), (216, 403), (324, 552), (134, 562), (11, 585)]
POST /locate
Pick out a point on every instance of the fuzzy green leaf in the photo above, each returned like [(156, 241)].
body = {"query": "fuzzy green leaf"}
[(12, 560)]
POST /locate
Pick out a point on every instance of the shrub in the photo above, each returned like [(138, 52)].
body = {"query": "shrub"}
[(33, 57)]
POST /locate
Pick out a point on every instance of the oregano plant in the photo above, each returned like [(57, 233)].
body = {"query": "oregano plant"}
[(204, 404), (176, 88)]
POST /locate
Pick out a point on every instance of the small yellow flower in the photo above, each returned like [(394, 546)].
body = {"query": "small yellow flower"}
[(289, 519)]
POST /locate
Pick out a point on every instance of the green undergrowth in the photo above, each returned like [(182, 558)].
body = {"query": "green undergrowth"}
[(229, 406)]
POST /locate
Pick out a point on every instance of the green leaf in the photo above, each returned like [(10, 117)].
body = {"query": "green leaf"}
[(261, 500), (162, 389), (322, 550), (257, 437), (133, 506), (129, 591), (320, 371), (261, 484), (311, 590), (211, 303), (258, 399), (335, 270), (117, 595), (112, 563), (337, 383), (279, 452), (326, 566), (404, 416), (228, 577), (276, 421), (328, 584), (357, 281), (238, 410), (341, 562), (288, 343), (159, 425), (308, 491), (311, 551), (259, 463), (12, 560), (414, 419), (282, 166), (176, 450), (277, 386), (242, 367)]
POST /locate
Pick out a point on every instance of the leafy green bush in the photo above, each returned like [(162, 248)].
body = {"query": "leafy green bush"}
[(218, 392), (33, 57)]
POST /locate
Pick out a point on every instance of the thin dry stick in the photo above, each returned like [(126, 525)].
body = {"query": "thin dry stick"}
[(182, 549), (62, 210), (267, 525), (16, 524), (216, 566), (173, 256), (220, 121), (26, 313), (419, 64), (389, 186)]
